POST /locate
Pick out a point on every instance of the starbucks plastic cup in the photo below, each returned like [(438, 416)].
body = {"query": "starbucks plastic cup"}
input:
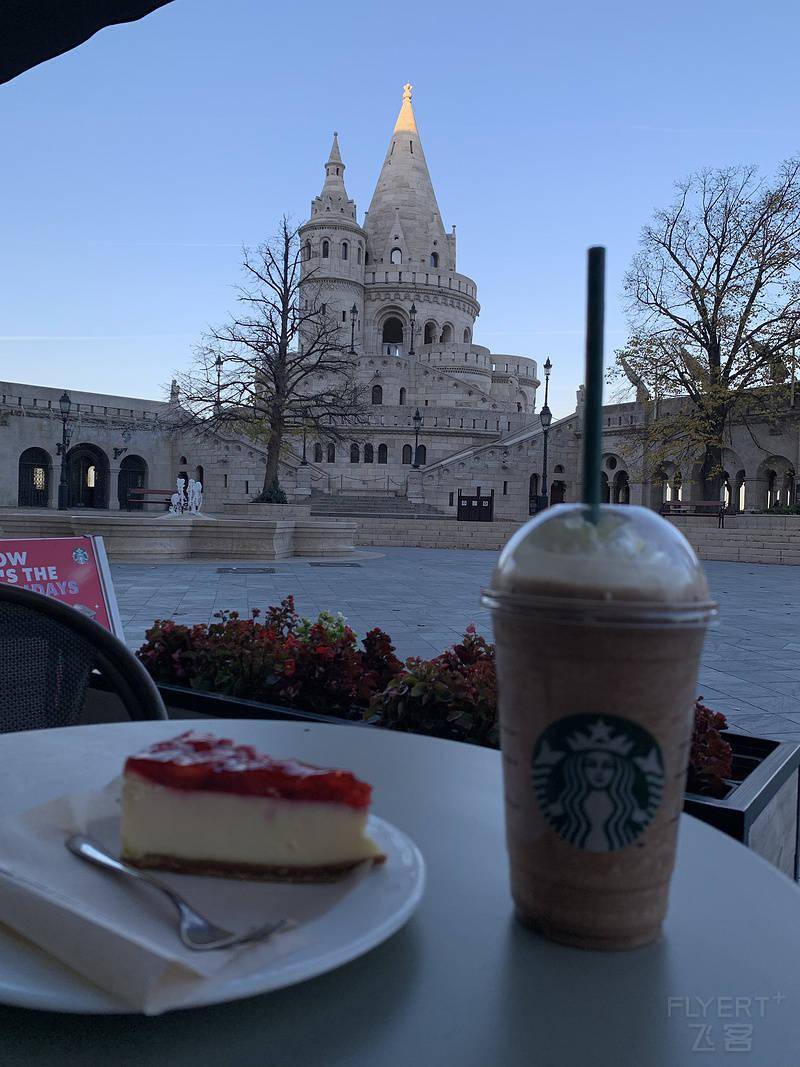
[(598, 631)]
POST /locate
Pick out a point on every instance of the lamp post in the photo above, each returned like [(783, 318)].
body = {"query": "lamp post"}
[(218, 401), (65, 405), (417, 423), (413, 316), (353, 317), (304, 461), (545, 417)]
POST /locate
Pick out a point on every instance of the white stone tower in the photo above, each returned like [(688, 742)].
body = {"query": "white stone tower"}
[(333, 250)]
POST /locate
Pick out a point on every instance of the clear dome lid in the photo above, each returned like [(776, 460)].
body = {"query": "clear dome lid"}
[(631, 554)]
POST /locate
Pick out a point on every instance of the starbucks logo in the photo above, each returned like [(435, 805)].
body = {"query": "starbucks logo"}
[(598, 780)]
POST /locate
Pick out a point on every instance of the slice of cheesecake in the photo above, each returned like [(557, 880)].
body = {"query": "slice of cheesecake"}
[(203, 805)]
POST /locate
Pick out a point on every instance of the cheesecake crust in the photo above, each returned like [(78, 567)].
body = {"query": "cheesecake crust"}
[(255, 872)]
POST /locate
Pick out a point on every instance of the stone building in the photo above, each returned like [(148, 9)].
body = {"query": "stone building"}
[(392, 284)]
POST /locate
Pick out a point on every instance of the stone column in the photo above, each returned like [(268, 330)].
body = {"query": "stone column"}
[(113, 488)]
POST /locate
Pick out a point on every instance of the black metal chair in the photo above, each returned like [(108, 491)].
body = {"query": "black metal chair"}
[(49, 652)]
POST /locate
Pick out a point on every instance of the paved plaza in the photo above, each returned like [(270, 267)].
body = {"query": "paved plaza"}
[(425, 597)]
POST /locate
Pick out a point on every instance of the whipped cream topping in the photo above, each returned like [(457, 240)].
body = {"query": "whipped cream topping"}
[(630, 554)]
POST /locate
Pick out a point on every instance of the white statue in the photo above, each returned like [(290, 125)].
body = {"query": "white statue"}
[(195, 496), (178, 501)]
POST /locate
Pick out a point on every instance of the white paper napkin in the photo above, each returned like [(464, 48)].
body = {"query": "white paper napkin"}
[(123, 936)]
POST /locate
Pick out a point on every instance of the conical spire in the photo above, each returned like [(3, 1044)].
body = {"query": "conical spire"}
[(333, 200), (404, 192)]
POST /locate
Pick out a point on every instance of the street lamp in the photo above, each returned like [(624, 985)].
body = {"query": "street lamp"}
[(417, 420), (412, 315), (545, 417), (304, 461), (65, 404), (218, 401), (353, 317)]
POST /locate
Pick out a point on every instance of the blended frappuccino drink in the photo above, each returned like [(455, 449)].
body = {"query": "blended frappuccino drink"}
[(598, 629)]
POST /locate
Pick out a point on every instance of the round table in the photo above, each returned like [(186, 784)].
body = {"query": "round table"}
[(463, 983)]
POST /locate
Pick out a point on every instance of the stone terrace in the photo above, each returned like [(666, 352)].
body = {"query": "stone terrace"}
[(425, 597)]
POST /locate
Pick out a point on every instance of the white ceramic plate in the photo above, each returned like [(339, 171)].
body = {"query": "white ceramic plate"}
[(375, 907)]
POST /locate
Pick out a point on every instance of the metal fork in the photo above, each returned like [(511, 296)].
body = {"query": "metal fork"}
[(196, 932)]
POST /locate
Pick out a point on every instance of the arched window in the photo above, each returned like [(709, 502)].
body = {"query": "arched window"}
[(326, 249), (377, 394), (430, 333), (422, 453), (33, 490), (406, 453), (396, 256), (447, 333), (331, 452), (354, 452), (392, 331), (307, 251), (402, 395), (318, 453), (383, 454), (345, 249), (466, 336), (366, 258), (369, 454), (358, 254), (434, 259)]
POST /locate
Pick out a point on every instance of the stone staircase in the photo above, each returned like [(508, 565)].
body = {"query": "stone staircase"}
[(370, 506)]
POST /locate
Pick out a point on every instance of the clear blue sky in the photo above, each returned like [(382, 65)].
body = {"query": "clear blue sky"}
[(136, 165)]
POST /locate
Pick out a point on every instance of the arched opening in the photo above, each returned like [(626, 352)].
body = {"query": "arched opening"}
[(318, 452), (354, 452), (407, 454), (467, 337), (447, 333), (429, 335), (383, 454), (377, 394), (358, 254), (422, 454), (326, 249), (402, 395), (622, 488), (183, 460), (345, 249), (87, 477), (434, 259), (396, 256), (199, 474), (392, 331), (133, 475), (369, 454), (558, 492), (605, 488), (33, 486), (331, 452), (307, 251)]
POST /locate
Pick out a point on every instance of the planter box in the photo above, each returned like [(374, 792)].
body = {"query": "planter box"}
[(761, 808), (189, 703)]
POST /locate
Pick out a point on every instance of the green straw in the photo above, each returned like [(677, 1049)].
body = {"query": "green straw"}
[(593, 411)]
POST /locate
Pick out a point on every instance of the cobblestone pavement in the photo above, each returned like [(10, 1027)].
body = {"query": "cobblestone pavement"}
[(425, 597)]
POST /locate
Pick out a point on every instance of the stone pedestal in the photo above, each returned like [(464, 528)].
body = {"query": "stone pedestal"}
[(303, 487), (414, 487)]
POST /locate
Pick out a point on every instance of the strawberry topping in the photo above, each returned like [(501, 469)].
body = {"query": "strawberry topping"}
[(202, 761)]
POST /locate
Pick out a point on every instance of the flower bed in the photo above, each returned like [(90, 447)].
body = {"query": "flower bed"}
[(281, 659)]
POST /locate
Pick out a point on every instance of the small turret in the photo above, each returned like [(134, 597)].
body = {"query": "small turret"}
[(333, 200)]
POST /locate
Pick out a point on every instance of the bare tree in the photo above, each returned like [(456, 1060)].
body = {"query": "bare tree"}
[(280, 365), (714, 310)]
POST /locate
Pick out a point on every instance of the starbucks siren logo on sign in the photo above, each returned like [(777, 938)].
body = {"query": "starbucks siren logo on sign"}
[(598, 780)]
